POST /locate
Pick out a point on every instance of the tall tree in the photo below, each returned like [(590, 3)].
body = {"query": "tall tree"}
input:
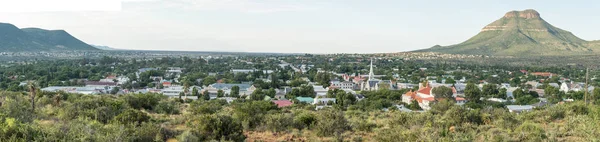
[(443, 92), (32, 93), (553, 94), (490, 90), (220, 93), (186, 88), (257, 95), (472, 93), (271, 92), (195, 92), (235, 91), (206, 95)]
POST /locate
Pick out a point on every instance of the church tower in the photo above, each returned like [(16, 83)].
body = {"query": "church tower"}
[(371, 71)]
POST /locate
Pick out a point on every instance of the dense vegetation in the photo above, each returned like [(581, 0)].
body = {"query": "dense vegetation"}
[(72, 117)]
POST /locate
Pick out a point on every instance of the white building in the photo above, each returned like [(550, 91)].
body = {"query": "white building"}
[(341, 84), (245, 89), (323, 101), (373, 84)]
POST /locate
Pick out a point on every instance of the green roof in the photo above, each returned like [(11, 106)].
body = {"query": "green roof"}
[(305, 99)]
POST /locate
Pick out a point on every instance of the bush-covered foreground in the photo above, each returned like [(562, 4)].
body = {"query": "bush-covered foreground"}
[(152, 117)]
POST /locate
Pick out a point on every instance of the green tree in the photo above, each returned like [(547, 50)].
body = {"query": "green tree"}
[(472, 93), (209, 80), (195, 92), (553, 94), (450, 81), (501, 93), (490, 90), (220, 93), (235, 91), (271, 93), (414, 105), (257, 95), (443, 92), (114, 90), (206, 95)]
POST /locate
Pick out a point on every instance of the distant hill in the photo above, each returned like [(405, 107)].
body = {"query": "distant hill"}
[(521, 33), (13, 39)]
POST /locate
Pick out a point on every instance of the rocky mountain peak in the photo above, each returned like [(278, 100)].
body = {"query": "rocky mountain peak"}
[(527, 14)]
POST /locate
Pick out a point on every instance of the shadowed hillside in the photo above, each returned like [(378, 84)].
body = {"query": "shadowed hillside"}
[(13, 39)]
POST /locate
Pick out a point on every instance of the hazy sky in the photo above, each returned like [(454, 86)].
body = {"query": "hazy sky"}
[(306, 26)]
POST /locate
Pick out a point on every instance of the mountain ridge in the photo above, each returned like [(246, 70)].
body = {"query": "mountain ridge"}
[(13, 39), (521, 33)]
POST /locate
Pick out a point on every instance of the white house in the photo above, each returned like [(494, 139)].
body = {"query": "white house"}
[(323, 101), (519, 108), (342, 84), (424, 97), (320, 90), (245, 89), (566, 87)]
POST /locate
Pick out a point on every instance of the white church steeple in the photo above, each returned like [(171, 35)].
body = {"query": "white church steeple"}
[(371, 71)]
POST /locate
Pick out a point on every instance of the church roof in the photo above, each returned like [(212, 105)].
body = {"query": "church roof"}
[(426, 90)]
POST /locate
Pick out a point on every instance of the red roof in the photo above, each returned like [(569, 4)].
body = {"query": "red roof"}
[(546, 74), (111, 77), (454, 90), (459, 99), (410, 93), (282, 103), (426, 90), (166, 83)]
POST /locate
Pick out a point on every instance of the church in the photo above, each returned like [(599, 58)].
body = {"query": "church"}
[(374, 84)]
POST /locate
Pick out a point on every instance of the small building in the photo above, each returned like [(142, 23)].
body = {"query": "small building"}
[(305, 99), (323, 101), (166, 84), (406, 85), (341, 84), (519, 108), (282, 103)]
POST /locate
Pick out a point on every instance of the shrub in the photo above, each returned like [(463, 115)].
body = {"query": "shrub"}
[(279, 122), (167, 107), (145, 101), (331, 123), (530, 132), (217, 127), (132, 116), (304, 119)]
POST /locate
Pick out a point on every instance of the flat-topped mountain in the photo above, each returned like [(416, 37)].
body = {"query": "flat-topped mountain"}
[(13, 39), (521, 33)]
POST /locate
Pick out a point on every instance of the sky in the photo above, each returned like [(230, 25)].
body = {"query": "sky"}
[(287, 26)]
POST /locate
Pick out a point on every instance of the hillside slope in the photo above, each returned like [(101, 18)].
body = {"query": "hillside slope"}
[(521, 33), (13, 39)]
